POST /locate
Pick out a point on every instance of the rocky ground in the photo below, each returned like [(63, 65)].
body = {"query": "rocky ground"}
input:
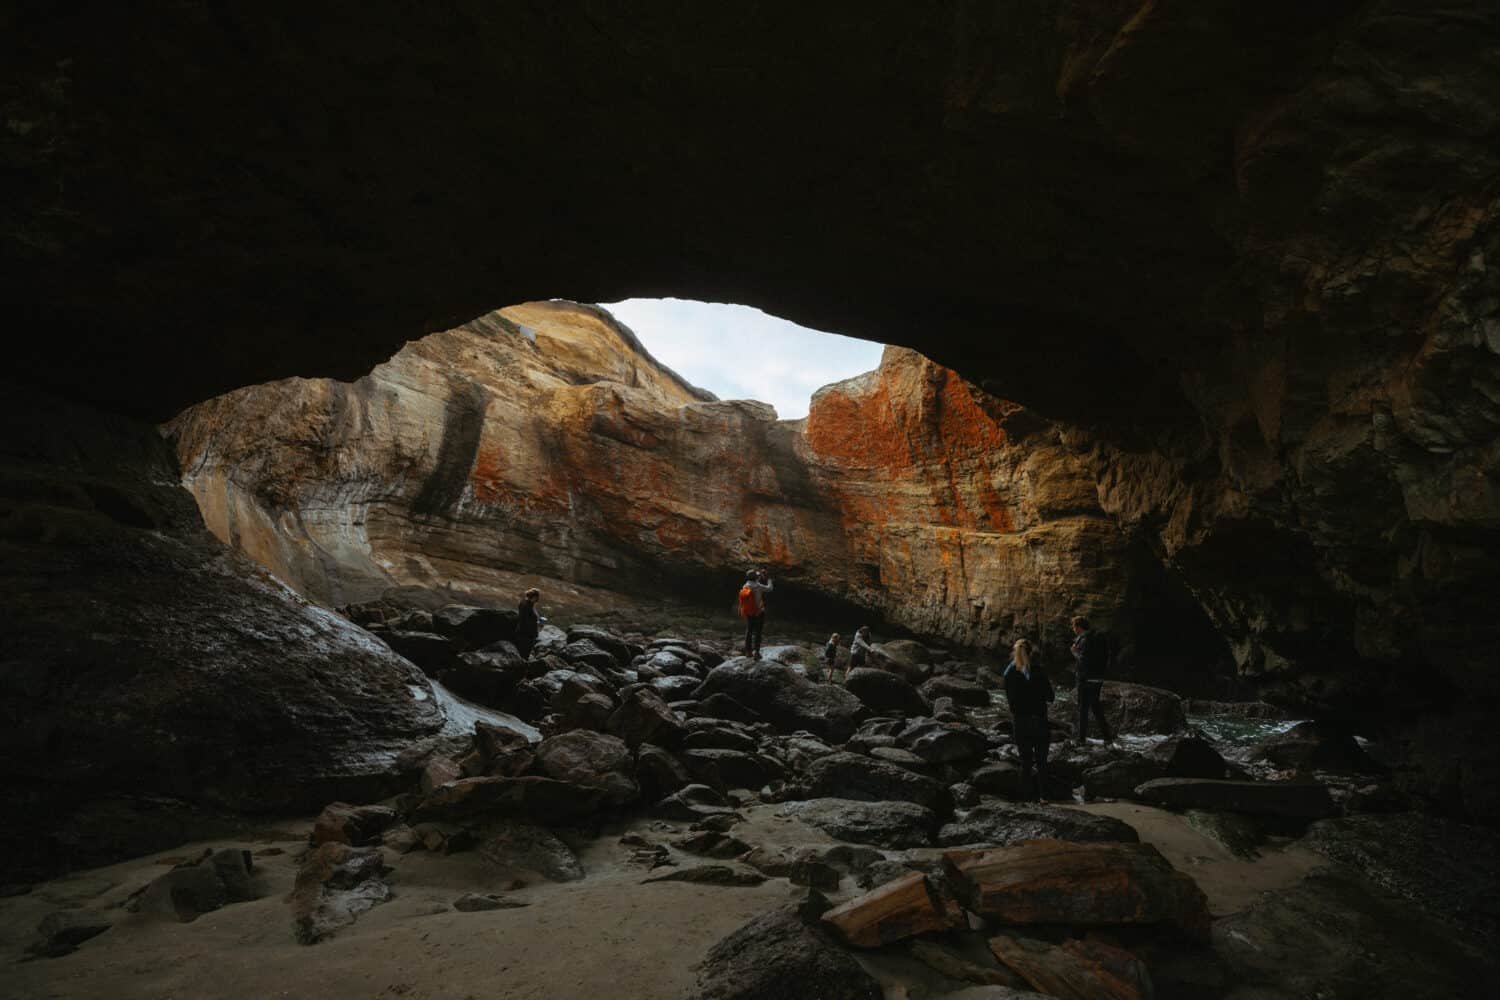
[(644, 816)]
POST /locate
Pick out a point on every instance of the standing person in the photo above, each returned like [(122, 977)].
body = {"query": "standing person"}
[(530, 623), (1029, 692), (1092, 654), (859, 648), (831, 655), (753, 608)]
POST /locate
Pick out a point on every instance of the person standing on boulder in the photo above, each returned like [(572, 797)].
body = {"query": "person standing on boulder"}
[(1029, 692), (530, 623), (753, 608), (859, 649), (831, 656), (1092, 653)]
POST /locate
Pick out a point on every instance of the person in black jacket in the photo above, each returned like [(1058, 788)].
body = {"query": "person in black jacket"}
[(1092, 653), (530, 623), (1029, 692)]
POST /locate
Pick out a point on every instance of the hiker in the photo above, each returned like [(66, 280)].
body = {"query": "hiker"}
[(1091, 650), (831, 656), (753, 609), (1029, 692), (530, 623), (859, 648)]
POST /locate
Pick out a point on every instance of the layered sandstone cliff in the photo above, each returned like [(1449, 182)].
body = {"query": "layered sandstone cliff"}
[(542, 441)]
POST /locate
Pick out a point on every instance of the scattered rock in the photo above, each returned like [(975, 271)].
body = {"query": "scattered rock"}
[(963, 692), (401, 838), (1078, 970), (487, 677), (906, 657), (1086, 885), (894, 825), (1188, 757), (776, 956), (882, 691), (712, 844), (439, 771), (784, 697), (900, 909), (943, 742), (1007, 823), (335, 884), (512, 846), (692, 803), (592, 760), (542, 800), (474, 902), (950, 963), (851, 776), (342, 823), (726, 769), (1118, 779), (475, 627), (1136, 708), (644, 717), (1316, 746), (62, 931), (712, 875), (1235, 833), (659, 773)]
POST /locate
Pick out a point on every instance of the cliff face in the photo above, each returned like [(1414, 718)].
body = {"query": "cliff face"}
[(541, 441)]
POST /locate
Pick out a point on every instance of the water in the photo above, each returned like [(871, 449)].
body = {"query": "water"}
[(1231, 733)]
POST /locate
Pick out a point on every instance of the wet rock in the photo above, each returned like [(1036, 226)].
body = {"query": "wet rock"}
[(62, 931), (445, 838), (712, 844), (676, 688), (1283, 799), (1235, 833), (903, 758), (777, 956), (433, 653), (894, 825), (643, 717), (591, 712), (691, 804), (475, 902), (1118, 779), (713, 737), (439, 771), (712, 875), (475, 627), (1316, 746), (487, 677), (1136, 708), (1078, 970), (726, 769), (953, 965), (883, 691), (851, 776), (964, 795), (1083, 884), (543, 800), (602, 638), (911, 905), (586, 652), (593, 760), (784, 697), (905, 657), (1188, 757), (1331, 935), (722, 706), (343, 823), (192, 889), (401, 838), (524, 847), (506, 752), (335, 884), (1007, 823), (659, 773), (1003, 778), (943, 742), (963, 692)]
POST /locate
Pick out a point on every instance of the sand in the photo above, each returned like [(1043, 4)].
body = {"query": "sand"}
[(608, 937)]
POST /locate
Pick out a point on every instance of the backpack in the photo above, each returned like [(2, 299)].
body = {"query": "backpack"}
[(747, 602)]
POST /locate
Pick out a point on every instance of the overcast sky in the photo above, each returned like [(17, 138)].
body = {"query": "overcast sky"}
[(737, 352)]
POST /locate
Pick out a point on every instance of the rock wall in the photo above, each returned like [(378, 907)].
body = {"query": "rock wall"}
[(540, 441)]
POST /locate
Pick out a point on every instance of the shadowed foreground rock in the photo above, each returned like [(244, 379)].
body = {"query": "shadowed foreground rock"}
[(1078, 970), (785, 698), (1085, 885), (1283, 799), (1001, 824), (776, 956), (895, 825), (335, 884)]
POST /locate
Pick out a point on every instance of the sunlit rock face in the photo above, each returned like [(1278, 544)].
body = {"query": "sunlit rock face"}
[(542, 441)]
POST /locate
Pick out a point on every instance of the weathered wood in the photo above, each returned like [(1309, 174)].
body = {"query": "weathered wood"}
[(1083, 885), (1078, 970), (899, 909), (955, 966)]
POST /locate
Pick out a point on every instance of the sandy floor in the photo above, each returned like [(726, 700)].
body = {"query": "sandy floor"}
[(608, 936)]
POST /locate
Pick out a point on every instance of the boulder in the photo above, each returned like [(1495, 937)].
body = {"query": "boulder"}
[(541, 799), (1281, 799), (1000, 824), (593, 760), (906, 657), (550, 641), (1003, 778), (777, 955), (335, 884), (721, 706), (659, 773), (487, 677), (903, 758), (692, 803), (712, 844), (1136, 708), (592, 712), (1075, 970), (784, 697), (1119, 778), (911, 905), (676, 687), (343, 823), (1315, 746), (726, 769), (1082, 884), (475, 627), (643, 717), (525, 847), (477, 902), (603, 639), (589, 653), (716, 737), (882, 691), (943, 742), (62, 931), (505, 751), (894, 825), (963, 692), (852, 776), (433, 653), (1189, 757), (439, 771)]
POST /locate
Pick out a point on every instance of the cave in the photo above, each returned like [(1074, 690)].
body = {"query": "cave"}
[(1231, 263)]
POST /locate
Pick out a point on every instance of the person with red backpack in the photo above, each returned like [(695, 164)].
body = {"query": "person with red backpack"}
[(753, 609)]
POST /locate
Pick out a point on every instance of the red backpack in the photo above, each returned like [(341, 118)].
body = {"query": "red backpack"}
[(747, 602)]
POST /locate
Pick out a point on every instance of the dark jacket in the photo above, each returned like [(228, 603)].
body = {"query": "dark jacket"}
[(527, 627), (1092, 652), (1027, 697)]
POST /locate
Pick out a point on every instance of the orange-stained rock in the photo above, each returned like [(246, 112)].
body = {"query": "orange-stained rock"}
[(1078, 970), (908, 906), (542, 441), (1082, 885)]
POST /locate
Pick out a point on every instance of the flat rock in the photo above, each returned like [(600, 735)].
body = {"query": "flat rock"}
[(853, 776), (963, 692), (777, 956), (62, 931), (712, 875), (335, 884), (1283, 799), (525, 847), (475, 902), (894, 825), (1085, 885), (785, 698), (1011, 823)]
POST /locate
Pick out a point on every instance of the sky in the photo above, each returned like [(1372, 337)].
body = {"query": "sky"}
[(738, 352)]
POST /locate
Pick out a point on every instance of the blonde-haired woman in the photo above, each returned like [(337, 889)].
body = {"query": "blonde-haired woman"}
[(1029, 692)]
